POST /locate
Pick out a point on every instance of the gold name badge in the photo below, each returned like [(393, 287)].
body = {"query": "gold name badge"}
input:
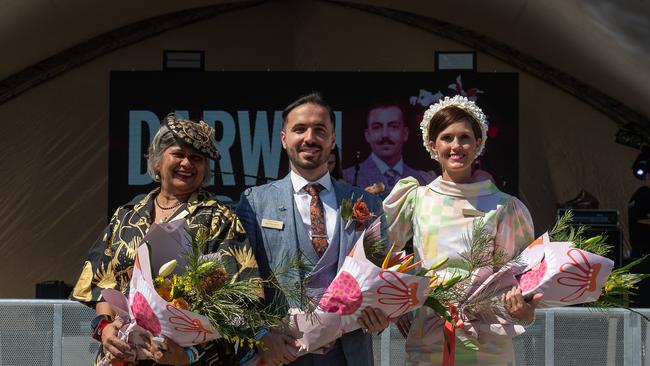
[(272, 224), (468, 212)]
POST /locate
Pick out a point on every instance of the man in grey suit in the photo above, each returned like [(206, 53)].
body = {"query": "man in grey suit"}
[(300, 214), (386, 132)]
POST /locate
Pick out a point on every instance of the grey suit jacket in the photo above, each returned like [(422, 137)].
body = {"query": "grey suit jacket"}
[(273, 247), (369, 174)]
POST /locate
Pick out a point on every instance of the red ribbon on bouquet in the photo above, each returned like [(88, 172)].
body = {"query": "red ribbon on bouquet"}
[(449, 352)]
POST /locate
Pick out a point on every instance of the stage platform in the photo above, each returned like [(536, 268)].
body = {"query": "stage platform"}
[(56, 332)]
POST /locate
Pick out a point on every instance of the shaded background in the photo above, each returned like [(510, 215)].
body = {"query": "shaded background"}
[(582, 72), (253, 98)]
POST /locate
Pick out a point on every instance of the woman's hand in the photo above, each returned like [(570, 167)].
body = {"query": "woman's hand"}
[(373, 320), (115, 350), (166, 352), (517, 307)]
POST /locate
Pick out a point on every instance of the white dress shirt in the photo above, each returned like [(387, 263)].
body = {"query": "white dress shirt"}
[(327, 196), (383, 167)]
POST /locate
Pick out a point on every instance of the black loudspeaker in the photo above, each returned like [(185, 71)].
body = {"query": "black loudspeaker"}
[(53, 290), (614, 238), (605, 222), (601, 222), (641, 299)]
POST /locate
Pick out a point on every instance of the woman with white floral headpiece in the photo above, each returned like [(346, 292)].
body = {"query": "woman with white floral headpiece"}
[(439, 215)]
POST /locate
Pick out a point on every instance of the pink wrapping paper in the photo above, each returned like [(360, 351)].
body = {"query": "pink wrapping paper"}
[(145, 311), (477, 328), (358, 284), (564, 274)]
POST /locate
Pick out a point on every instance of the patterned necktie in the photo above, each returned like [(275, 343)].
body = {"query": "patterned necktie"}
[(317, 214), (391, 178)]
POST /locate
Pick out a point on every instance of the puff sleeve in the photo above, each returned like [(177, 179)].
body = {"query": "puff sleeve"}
[(398, 208), (515, 228)]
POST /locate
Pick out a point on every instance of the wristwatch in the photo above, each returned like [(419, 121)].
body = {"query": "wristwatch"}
[(98, 324)]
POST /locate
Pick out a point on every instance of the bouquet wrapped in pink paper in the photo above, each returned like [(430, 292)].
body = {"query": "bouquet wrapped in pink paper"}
[(146, 311), (566, 275), (359, 284), (562, 265), (463, 303), (570, 268), (194, 304)]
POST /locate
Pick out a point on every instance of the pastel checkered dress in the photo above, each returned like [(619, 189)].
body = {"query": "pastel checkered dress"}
[(438, 217)]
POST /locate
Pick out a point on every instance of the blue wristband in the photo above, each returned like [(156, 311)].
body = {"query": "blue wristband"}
[(261, 333), (194, 353), (190, 355)]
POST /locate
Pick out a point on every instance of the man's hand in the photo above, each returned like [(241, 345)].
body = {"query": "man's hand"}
[(404, 323), (164, 353), (517, 307), (115, 350), (274, 349), (373, 320)]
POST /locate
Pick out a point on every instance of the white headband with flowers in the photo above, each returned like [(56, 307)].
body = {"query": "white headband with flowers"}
[(460, 102)]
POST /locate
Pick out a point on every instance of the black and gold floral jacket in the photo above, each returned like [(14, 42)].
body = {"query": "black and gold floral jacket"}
[(110, 259)]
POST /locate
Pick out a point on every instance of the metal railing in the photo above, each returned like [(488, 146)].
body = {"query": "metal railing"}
[(56, 332)]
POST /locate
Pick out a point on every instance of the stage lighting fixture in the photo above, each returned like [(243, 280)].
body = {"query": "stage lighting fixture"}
[(455, 61), (631, 137), (183, 60), (640, 166)]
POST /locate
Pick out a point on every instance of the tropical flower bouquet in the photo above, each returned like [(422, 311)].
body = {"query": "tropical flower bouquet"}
[(463, 294), (579, 272), (360, 283), (205, 301), (232, 304), (563, 265)]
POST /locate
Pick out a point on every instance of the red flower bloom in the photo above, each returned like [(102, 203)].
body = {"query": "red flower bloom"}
[(360, 211)]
